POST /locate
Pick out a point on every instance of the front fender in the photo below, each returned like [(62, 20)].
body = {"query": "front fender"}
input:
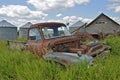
[(67, 59)]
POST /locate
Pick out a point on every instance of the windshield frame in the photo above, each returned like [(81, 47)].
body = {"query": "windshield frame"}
[(64, 31)]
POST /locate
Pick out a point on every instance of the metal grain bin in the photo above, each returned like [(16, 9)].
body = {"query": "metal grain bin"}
[(24, 30), (75, 25), (7, 31)]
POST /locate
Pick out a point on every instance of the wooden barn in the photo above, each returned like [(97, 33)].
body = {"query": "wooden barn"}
[(102, 25)]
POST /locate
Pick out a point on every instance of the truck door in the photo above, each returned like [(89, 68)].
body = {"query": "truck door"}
[(35, 43)]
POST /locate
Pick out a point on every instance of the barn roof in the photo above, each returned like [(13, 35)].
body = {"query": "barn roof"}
[(4, 23), (27, 25), (102, 14), (77, 24)]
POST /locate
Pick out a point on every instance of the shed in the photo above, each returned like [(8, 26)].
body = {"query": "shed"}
[(24, 30), (7, 31), (103, 24), (80, 29), (76, 25)]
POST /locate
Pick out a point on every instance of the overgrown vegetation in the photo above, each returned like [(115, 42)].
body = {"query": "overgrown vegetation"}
[(18, 65)]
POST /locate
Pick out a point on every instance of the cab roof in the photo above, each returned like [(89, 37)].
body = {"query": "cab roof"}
[(47, 24)]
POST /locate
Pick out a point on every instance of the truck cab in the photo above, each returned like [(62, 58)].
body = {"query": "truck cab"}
[(45, 37)]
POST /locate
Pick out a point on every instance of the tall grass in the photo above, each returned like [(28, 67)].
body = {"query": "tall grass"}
[(23, 65)]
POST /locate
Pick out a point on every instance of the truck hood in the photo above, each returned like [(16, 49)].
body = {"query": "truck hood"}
[(62, 44), (64, 40)]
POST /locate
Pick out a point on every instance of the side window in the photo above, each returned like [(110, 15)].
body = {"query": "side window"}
[(34, 34)]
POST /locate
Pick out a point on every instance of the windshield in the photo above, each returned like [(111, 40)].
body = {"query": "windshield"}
[(55, 31)]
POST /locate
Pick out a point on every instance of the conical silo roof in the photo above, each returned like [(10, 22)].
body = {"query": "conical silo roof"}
[(27, 25), (77, 24), (4, 23)]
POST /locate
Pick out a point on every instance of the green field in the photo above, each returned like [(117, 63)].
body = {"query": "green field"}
[(18, 65)]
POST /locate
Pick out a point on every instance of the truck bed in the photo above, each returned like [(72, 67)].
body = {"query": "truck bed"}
[(19, 45)]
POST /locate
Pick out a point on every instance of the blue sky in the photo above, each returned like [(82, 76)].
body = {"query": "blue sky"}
[(19, 12)]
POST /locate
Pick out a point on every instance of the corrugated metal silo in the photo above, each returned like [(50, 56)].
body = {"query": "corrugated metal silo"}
[(75, 25), (24, 30), (7, 31)]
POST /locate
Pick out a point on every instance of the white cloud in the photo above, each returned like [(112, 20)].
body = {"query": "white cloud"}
[(73, 19), (70, 19), (18, 14), (114, 0), (18, 11), (115, 7), (58, 15), (14, 10), (46, 5), (117, 19), (87, 20)]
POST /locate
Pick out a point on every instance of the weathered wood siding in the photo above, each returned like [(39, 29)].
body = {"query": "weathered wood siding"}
[(103, 24)]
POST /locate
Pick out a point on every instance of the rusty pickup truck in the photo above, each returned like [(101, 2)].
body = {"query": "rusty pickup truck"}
[(53, 41)]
